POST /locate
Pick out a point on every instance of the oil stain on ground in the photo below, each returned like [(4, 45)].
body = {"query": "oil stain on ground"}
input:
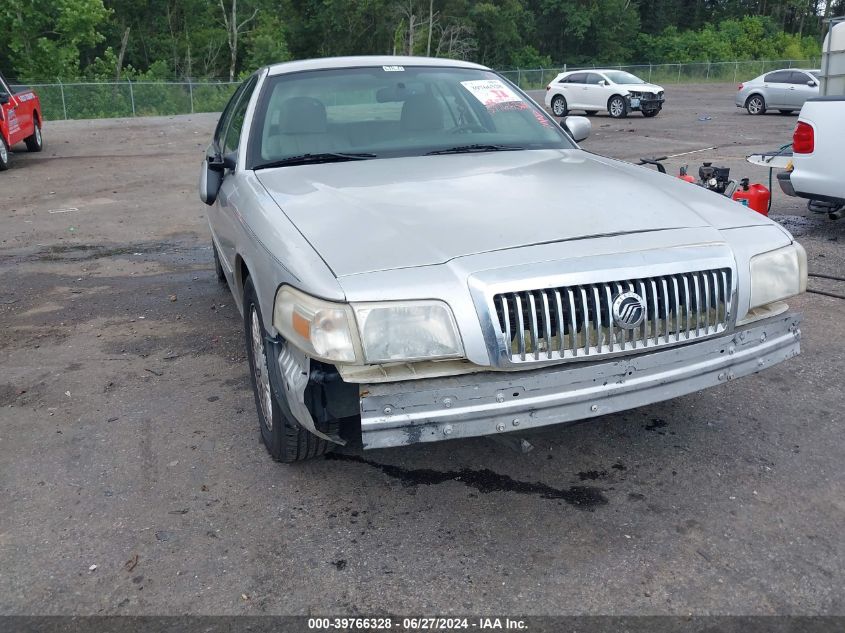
[(656, 423), (485, 481)]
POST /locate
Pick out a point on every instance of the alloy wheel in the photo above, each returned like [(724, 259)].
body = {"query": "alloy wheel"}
[(259, 364), (617, 107)]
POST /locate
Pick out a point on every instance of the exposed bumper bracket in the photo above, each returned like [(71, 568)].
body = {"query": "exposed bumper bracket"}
[(295, 368)]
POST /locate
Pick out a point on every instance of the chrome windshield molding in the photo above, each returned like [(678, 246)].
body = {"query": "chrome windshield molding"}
[(686, 294)]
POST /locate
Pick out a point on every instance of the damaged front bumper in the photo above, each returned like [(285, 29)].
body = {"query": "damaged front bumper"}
[(645, 103), (428, 410)]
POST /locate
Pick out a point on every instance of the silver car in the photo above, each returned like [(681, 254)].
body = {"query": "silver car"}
[(420, 253), (785, 90)]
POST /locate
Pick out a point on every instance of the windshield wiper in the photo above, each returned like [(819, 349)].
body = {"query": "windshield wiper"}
[(309, 159), (477, 147)]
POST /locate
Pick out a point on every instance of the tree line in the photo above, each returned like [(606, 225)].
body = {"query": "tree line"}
[(46, 40)]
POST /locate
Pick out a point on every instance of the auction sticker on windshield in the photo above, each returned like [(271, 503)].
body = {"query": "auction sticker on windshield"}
[(492, 93)]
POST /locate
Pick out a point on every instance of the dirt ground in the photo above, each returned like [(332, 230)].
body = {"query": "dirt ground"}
[(129, 441)]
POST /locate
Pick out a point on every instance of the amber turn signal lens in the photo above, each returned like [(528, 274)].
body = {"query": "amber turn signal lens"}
[(301, 325)]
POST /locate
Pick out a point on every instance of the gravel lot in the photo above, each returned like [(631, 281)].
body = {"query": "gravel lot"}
[(128, 436)]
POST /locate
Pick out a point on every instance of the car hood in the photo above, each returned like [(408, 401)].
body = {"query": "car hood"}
[(385, 214), (641, 87)]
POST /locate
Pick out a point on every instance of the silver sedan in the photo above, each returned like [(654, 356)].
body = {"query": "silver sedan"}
[(784, 90), (421, 253)]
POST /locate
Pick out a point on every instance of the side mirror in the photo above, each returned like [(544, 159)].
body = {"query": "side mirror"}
[(4, 98), (812, 83), (211, 178), (602, 82), (579, 127)]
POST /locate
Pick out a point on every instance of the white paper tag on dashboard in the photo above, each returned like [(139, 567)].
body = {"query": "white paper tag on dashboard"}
[(491, 92)]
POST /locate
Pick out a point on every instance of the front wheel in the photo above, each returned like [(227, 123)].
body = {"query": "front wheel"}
[(559, 106), (755, 105), (35, 142), (4, 155), (286, 440), (617, 107), (651, 113)]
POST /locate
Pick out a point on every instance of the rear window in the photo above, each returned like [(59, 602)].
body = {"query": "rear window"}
[(779, 77)]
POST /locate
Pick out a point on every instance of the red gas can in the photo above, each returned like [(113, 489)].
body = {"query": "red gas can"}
[(754, 196)]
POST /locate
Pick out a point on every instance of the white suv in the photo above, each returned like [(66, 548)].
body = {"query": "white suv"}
[(614, 91)]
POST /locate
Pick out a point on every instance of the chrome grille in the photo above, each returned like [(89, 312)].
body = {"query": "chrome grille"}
[(577, 321)]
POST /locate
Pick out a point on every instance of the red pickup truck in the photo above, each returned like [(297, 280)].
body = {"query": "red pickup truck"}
[(20, 121)]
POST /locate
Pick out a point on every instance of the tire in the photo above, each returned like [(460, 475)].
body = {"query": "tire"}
[(617, 107), (5, 157), (786, 111), (559, 107), (755, 104), (35, 141), (285, 439), (591, 112), (218, 267), (651, 113)]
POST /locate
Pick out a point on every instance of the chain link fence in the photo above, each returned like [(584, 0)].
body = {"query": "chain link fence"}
[(96, 100), (698, 72), (101, 100)]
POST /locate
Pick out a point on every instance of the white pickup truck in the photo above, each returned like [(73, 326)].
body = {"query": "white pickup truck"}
[(817, 169)]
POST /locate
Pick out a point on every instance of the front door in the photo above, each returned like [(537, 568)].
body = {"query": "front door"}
[(597, 92), (800, 90), (227, 141), (9, 110)]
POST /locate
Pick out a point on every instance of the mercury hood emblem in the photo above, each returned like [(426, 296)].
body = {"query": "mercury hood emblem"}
[(628, 310)]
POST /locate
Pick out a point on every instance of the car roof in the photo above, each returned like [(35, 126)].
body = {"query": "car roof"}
[(803, 70), (327, 63)]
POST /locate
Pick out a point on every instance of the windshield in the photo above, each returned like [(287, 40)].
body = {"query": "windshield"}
[(621, 77), (391, 111)]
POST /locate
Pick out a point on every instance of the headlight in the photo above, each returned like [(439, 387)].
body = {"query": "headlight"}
[(322, 329), (778, 274), (407, 331)]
